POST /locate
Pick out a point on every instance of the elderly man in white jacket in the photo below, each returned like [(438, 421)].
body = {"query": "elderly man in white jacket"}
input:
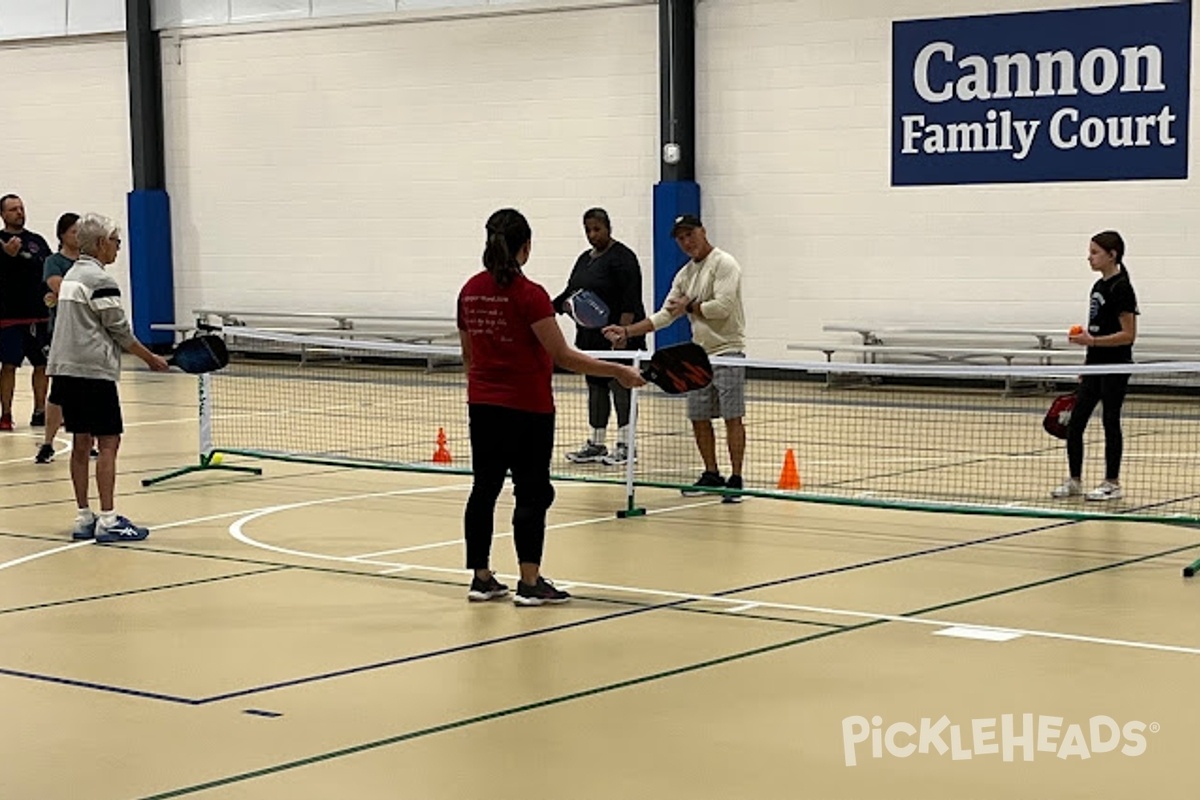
[(85, 364)]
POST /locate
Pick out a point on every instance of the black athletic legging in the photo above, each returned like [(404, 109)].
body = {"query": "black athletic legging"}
[(1109, 390), (599, 406), (506, 440)]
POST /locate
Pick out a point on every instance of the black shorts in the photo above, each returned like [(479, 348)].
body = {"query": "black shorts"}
[(89, 405), (29, 341)]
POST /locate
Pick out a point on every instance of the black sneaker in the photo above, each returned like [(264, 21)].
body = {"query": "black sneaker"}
[(37, 419), (590, 453), (734, 482), (540, 594), (45, 454), (708, 480), (486, 590)]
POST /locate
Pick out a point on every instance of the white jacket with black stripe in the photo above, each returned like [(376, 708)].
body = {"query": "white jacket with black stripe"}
[(92, 328)]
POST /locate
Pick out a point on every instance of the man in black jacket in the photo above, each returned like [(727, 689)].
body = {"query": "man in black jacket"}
[(24, 317)]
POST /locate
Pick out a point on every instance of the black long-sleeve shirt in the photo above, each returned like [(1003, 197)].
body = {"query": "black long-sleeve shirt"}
[(616, 277), (22, 290)]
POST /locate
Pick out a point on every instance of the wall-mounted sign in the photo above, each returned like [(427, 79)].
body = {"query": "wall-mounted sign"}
[(1071, 95)]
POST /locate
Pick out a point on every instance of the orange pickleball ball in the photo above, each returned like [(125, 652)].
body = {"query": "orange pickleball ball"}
[(1076, 330)]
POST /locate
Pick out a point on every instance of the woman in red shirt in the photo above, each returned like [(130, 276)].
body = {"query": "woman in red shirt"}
[(510, 344)]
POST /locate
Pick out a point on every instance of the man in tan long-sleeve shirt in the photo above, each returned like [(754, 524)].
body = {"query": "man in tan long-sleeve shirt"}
[(708, 289)]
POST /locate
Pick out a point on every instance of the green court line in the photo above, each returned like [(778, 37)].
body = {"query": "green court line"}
[(1071, 513), (630, 682)]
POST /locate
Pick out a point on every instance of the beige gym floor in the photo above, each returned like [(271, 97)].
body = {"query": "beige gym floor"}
[(305, 635)]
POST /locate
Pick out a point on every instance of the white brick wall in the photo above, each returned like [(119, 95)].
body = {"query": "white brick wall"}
[(66, 132), (793, 126), (353, 168)]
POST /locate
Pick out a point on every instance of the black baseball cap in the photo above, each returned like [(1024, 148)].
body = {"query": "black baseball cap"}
[(685, 222)]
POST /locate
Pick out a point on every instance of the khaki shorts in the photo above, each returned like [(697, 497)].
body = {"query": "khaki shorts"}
[(724, 398)]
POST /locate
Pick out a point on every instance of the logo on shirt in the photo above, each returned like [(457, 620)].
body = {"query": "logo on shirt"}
[(1096, 305)]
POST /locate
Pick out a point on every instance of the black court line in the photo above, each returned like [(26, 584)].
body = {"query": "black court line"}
[(144, 590), (641, 609), (101, 687), (214, 480), (258, 712), (756, 616), (637, 608), (675, 604), (1079, 573), (933, 551), (272, 568), (81, 684), (453, 649), (631, 682), (500, 640), (492, 715), (670, 605)]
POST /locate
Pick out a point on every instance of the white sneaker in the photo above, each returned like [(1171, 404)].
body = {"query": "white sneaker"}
[(1071, 487), (1106, 491)]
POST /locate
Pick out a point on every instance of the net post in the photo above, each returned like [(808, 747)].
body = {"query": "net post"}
[(631, 509), (204, 404), (210, 457)]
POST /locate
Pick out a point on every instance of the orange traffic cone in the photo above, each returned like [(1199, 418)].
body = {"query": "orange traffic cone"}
[(789, 476), (441, 455)]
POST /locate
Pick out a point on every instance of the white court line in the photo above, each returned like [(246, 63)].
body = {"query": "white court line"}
[(38, 439), (26, 559), (453, 542), (238, 513), (271, 509), (872, 615), (170, 421), (558, 526), (741, 608), (236, 530)]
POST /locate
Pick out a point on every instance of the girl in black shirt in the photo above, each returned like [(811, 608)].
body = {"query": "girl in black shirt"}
[(1111, 330)]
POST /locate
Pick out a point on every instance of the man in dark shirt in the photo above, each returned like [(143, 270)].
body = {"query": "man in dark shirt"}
[(24, 318)]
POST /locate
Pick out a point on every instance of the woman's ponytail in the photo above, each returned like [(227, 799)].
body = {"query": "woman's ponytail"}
[(507, 232)]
